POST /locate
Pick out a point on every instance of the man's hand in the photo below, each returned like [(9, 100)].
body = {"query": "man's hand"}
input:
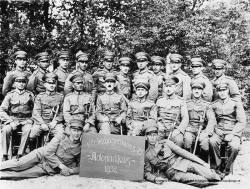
[(175, 132), (13, 125), (118, 120), (53, 124), (160, 180), (229, 137), (86, 128), (44, 127), (105, 119), (203, 135), (24, 122), (65, 170), (206, 165)]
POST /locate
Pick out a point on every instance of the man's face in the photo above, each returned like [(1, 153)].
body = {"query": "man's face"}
[(21, 62), (110, 85), (223, 94), (196, 69), (78, 86), (108, 64), (83, 64), (50, 86), (152, 138), (156, 68), (20, 84), (196, 91), (169, 89), (142, 64), (64, 62), (218, 72), (175, 65), (141, 92), (44, 64), (124, 68), (76, 133)]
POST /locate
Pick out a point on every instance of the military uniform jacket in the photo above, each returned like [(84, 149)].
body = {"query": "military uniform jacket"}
[(207, 93), (36, 84), (111, 105), (159, 77), (172, 108), (17, 104), (200, 108), (76, 106), (174, 158), (153, 91), (62, 76), (140, 110), (8, 80), (45, 106), (233, 88), (230, 116), (125, 85), (98, 77), (88, 84), (183, 88)]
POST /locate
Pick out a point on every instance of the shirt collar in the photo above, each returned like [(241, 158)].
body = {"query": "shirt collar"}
[(110, 93), (170, 97), (225, 101), (144, 71), (50, 93), (63, 70), (20, 69), (19, 92), (198, 75), (141, 100), (159, 73), (78, 92)]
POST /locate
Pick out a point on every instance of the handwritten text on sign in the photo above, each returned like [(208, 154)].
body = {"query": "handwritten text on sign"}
[(112, 157)]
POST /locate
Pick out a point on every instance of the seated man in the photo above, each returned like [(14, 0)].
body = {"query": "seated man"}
[(79, 105), (61, 155), (231, 121), (172, 112), (110, 108), (47, 112), (174, 162), (200, 115), (140, 109), (15, 112)]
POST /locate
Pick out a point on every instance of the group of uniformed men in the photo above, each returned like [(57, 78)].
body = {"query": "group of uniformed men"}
[(171, 110)]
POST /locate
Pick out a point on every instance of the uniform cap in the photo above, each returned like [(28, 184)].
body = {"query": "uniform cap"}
[(219, 63), (20, 54), (20, 77), (110, 76), (63, 54), (142, 82), (42, 56), (197, 62), (223, 85), (76, 123), (157, 60), (125, 61), (176, 58), (170, 80), (142, 56), (198, 83), (77, 77), (50, 77), (82, 56), (108, 56), (150, 126)]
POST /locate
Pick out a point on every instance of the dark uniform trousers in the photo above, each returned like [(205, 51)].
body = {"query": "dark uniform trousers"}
[(178, 165), (44, 160)]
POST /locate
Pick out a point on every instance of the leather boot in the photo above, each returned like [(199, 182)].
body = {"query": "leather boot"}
[(5, 158), (32, 144)]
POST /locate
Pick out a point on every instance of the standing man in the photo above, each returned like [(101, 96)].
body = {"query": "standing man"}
[(61, 155), (21, 63), (172, 112), (15, 111), (110, 108), (47, 106), (79, 105), (197, 65), (82, 64), (123, 78), (173, 162), (108, 61), (183, 88), (200, 115), (142, 60), (62, 71), (231, 121), (158, 62), (219, 66), (140, 110), (36, 84)]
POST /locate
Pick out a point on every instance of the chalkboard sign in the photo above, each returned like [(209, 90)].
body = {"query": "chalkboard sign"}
[(112, 157)]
